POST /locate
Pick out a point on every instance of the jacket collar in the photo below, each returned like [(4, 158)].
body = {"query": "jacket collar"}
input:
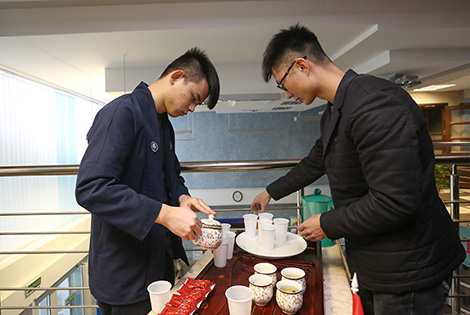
[(332, 112)]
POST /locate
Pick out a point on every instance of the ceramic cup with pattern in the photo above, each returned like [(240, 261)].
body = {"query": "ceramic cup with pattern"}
[(265, 268), (294, 274), (211, 234), (289, 296), (262, 288)]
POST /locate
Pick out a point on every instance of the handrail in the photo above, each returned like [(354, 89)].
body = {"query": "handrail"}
[(455, 143), (215, 166), (197, 167), (453, 159)]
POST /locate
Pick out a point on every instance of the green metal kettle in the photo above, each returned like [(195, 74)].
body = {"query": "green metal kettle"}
[(317, 204)]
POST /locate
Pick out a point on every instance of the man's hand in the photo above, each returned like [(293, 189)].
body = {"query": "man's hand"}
[(311, 229), (195, 204), (260, 202), (181, 221)]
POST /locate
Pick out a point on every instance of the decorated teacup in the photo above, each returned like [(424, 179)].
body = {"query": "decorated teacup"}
[(289, 296), (294, 274), (265, 268), (262, 288), (211, 234)]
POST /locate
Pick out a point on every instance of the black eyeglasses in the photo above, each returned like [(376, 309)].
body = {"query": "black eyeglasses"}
[(279, 85)]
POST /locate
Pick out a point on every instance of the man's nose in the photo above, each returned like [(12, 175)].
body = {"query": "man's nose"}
[(289, 94), (192, 107)]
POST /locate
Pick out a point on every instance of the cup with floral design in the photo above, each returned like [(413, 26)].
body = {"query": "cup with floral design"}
[(211, 234), (265, 268), (262, 289), (294, 274), (289, 296)]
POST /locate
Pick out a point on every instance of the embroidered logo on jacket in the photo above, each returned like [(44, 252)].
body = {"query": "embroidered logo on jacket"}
[(154, 146)]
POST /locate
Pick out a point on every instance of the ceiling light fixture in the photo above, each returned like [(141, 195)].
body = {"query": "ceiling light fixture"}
[(434, 87), (404, 80)]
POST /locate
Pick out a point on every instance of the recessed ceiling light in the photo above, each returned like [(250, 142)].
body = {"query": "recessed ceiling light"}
[(434, 87)]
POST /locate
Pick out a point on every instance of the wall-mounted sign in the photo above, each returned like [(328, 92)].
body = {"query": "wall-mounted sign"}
[(35, 284)]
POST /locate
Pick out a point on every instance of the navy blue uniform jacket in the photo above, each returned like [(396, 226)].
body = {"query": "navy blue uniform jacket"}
[(129, 169)]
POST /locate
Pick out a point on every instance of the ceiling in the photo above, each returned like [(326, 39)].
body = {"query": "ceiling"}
[(100, 49)]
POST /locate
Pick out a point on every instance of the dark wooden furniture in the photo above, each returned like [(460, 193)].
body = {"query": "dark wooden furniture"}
[(240, 267)]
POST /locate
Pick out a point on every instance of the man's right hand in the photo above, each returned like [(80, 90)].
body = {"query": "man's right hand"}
[(181, 221), (260, 202)]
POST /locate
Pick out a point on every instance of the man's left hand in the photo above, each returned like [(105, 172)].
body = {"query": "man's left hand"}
[(311, 229)]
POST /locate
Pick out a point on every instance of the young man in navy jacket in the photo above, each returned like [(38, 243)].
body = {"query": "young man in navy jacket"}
[(129, 179), (379, 159)]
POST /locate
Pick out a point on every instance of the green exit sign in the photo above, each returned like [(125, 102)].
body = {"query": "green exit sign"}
[(70, 298), (35, 284)]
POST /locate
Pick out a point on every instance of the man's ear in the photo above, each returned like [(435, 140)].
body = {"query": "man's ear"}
[(303, 65), (176, 75)]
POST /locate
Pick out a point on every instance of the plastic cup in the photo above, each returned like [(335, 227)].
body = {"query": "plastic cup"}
[(239, 300), (250, 224), (220, 255), (262, 222), (266, 215), (266, 236), (231, 243), (225, 227), (159, 292), (281, 225)]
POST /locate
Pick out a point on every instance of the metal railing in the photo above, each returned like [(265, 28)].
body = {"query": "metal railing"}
[(218, 166), (59, 170)]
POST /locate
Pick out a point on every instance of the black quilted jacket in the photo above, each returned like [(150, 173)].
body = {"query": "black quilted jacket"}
[(378, 156)]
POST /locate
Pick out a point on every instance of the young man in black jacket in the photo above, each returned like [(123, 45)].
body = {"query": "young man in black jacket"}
[(378, 156)]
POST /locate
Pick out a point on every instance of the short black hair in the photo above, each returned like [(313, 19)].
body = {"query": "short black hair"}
[(197, 66), (289, 44)]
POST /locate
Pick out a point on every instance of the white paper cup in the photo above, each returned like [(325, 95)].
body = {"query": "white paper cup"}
[(266, 236), (250, 224), (264, 222), (239, 300), (220, 255), (225, 227), (231, 243), (260, 223), (266, 215), (159, 292), (281, 225)]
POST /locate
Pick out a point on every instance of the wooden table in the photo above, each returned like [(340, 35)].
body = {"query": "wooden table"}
[(240, 267)]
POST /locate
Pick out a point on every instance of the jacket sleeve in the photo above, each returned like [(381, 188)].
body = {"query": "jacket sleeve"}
[(385, 132), (306, 172), (99, 188)]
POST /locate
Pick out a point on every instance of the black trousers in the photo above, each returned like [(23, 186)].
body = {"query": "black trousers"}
[(139, 308)]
